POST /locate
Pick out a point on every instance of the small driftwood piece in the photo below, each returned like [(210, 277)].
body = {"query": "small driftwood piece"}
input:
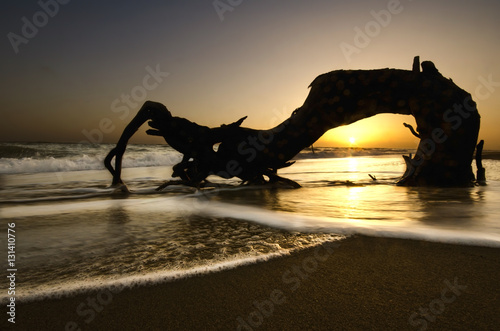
[(481, 172)]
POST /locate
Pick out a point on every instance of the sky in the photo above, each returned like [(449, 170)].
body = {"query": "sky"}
[(75, 71)]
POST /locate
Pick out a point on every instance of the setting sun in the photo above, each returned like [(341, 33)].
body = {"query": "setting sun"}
[(378, 131)]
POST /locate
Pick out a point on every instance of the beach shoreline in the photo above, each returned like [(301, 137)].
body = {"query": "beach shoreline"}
[(357, 283)]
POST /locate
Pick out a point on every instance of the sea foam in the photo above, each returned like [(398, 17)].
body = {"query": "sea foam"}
[(84, 162)]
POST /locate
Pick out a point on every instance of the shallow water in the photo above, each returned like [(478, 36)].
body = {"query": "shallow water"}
[(73, 232)]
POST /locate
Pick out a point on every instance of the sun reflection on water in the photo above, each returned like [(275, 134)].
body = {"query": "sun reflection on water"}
[(352, 164)]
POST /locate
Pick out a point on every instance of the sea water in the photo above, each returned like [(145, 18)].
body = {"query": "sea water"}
[(73, 232)]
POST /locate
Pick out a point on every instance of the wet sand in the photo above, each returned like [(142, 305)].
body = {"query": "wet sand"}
[(358, 283)]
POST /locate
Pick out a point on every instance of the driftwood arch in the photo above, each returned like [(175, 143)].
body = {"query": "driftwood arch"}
[(446, 116)]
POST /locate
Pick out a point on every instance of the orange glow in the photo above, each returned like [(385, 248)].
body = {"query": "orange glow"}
[(213, 79), (348, 136), (378, 131)]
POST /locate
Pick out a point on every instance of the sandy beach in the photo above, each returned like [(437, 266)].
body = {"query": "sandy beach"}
[(358, 283)]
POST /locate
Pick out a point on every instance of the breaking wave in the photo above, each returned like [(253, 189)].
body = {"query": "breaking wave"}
[(49, 157)]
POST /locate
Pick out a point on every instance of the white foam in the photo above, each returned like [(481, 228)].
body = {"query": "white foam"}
[(84, 162), (404, 228), (339, 152), (196, 204), (62, 195), (162, 203), (85, 157), (73, 288)]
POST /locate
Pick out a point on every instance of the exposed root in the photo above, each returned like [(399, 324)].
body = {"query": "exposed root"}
[(120, 188), (273, 179), (189, 183)]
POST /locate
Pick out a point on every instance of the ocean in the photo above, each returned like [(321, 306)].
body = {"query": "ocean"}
[(74, 233)]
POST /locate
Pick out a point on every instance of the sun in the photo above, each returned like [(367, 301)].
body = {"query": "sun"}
[(352, 140)]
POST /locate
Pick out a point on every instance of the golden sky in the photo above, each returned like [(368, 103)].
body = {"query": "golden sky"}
[(80, 71)]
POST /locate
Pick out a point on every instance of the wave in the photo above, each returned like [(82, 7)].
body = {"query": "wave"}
[(12, 151), (117, 285), (18, 158), (84, 162), (198, 206), (188, 204), (404, 229), (340, 152), (339, 229), (43, 150)]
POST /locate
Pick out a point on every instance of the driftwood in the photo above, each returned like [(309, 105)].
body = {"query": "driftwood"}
[(412, 130), (481, 172), (446, 116)]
